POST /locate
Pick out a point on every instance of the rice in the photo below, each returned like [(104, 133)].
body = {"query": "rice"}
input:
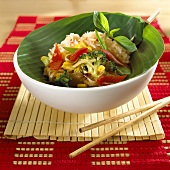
[(90, 39)]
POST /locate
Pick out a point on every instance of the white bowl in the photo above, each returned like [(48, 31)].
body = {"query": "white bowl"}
[(85, 100)]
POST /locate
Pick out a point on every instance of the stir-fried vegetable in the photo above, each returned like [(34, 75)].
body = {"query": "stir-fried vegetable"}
[(95, 63), (77, 54), (110, 66), (57, 59), (111, 57), (106, 80), (62, 79)]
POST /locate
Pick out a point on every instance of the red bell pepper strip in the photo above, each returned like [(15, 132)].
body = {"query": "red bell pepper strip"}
[(106, 80), (78, 53), (57, 59), (111, 57), (55, 65)]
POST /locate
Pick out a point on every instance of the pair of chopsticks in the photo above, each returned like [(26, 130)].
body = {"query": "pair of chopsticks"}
[(148, 110)]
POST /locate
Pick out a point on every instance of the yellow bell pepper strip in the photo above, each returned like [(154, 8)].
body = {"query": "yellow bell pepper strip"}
[(111, 79)]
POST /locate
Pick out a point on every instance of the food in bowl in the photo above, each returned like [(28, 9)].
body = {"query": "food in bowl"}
[(88, 65), (93, 59), (143, 63)]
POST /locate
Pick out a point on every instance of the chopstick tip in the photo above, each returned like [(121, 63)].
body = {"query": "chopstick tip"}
[(70, 156), (80, 130), (153, 16)]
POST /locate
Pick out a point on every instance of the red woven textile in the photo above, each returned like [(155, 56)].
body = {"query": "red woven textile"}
[(29, 153)]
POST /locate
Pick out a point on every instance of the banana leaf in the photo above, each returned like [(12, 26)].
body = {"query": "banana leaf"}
[(36, 44)]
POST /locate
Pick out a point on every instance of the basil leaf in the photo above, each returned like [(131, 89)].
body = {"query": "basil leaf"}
[(126, 43), (131, 27), (101, 41), (123, 70), (69, 49), (101, 22), (113, 31)]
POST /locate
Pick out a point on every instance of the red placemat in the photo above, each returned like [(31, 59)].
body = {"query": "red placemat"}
[(31, 153)]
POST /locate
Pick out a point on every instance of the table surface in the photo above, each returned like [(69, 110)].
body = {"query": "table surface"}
[(11, 9)]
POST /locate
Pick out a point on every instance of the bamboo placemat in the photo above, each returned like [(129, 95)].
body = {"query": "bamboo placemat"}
[(30, 117)]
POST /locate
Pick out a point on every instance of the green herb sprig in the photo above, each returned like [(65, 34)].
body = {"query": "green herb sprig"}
[(101, 22)]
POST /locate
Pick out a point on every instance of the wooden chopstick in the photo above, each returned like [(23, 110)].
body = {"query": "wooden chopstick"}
[(120, 128), (117, 117), (153, 16)]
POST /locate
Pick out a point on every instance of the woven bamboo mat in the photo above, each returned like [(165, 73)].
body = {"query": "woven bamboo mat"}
[(30, 117)]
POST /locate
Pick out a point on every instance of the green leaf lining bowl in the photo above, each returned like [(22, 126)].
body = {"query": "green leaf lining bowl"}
[(88, 100)]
